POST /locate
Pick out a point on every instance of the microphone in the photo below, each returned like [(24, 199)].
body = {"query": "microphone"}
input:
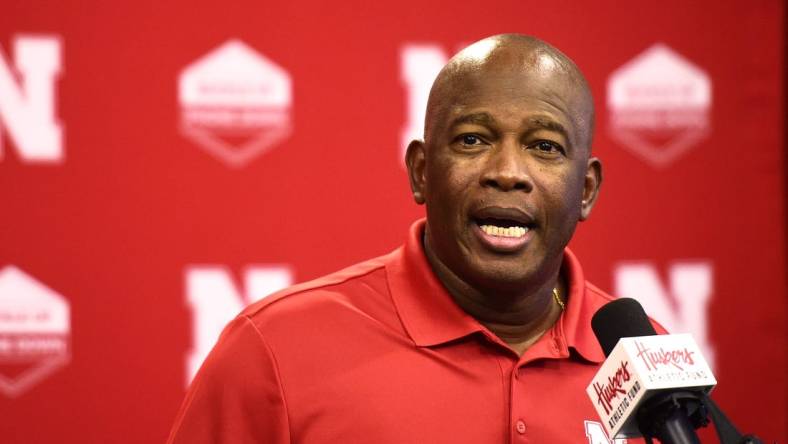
[(650, 385)]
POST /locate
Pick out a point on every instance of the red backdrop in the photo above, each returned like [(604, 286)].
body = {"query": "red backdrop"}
[(146, 205)]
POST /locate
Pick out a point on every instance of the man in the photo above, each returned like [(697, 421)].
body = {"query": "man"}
[(478, 329)]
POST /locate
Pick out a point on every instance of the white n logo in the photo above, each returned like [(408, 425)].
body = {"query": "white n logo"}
[(215, 300), (27, 108), (682, 306)]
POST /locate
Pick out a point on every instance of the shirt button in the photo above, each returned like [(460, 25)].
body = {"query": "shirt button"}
[(520, 426)]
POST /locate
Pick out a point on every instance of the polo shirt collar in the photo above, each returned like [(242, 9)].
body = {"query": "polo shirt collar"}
[(574, 325), (431, 317), (428, 312)]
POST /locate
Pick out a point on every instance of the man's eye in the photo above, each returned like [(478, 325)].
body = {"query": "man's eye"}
[(470, 139), (546, 146)]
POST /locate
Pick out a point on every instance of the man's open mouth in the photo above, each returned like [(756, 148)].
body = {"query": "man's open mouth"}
[(503, 229)]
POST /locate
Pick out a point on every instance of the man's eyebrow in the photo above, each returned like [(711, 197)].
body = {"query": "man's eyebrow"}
[(537, 123), (533, 123), (477, 118)]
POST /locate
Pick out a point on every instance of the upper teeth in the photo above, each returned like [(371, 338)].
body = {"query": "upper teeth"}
[(504, 231)]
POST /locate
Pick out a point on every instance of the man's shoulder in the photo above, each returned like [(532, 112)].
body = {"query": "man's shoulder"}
[(324, 296)]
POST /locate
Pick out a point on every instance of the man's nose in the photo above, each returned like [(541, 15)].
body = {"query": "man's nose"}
[(506, 169)]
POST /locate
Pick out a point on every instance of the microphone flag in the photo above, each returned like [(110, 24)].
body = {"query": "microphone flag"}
[(638, 368)]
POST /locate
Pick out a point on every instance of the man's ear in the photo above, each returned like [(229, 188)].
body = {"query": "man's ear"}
[(593, 180), (416, 161)]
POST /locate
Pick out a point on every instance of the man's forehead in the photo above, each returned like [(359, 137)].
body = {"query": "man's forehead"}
[(511, 83), (511, 68), (522, 94), (520, 68)]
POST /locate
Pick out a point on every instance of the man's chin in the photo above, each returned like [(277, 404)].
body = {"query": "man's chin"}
[(502, 277)]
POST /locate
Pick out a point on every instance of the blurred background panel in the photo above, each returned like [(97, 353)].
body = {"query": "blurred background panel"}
[(163, 164)]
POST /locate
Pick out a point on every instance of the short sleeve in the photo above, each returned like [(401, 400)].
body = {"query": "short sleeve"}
[(236, 396)]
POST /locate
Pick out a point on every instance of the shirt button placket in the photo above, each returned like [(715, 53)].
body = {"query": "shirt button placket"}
[(518, 423)]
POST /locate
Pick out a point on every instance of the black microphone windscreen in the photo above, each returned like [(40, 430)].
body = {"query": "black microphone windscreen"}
[(622, 318)]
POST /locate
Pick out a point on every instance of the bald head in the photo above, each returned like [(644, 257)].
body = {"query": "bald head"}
[(520, 65)]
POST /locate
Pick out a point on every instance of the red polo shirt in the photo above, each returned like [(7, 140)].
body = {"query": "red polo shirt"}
[(380, 353)]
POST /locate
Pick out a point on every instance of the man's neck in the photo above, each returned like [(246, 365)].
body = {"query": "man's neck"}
[(519, 318)]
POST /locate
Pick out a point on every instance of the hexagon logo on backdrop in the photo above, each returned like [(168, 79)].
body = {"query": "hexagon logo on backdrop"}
[(35, 331), (235, 103), (659, 105)]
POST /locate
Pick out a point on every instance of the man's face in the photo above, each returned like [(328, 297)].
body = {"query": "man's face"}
[(505, 175)]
